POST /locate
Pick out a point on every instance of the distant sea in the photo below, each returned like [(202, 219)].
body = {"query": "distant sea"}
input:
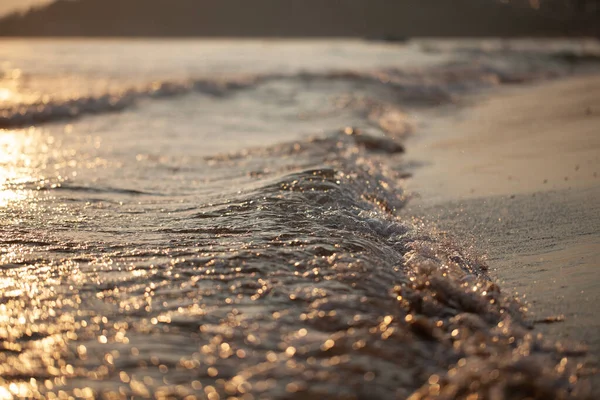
[(219, 219)]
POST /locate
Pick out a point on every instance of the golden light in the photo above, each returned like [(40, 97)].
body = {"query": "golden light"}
[(13, 163), (6, 94), (5, 394), (10, 196)]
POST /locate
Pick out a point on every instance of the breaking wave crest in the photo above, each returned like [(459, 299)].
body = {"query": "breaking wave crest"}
[(435, 86)]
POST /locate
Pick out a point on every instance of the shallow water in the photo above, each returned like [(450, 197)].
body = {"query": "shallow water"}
[(220, 220)]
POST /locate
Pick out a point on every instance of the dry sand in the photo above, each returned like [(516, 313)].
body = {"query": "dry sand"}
[(516, 175)]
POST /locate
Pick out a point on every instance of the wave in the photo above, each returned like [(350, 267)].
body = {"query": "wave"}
[(301, 280), (297, 278), (67, 186), (332, 287), (434, 86)]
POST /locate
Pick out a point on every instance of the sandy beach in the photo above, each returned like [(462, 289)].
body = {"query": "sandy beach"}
[(515, 176)]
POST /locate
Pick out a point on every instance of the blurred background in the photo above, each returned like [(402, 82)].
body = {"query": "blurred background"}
[(378, 19)]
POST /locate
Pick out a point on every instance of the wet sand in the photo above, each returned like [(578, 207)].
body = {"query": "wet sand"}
[(516, 175)]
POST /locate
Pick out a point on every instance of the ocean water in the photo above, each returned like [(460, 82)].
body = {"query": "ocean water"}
[(219, 219)]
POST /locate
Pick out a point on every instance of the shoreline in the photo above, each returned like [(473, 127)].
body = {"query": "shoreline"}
[(516, 176)]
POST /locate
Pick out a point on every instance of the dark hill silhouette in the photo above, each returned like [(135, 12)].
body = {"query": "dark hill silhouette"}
[(289, 18)]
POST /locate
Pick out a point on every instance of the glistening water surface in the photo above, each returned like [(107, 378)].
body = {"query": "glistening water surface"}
[(219, 219)]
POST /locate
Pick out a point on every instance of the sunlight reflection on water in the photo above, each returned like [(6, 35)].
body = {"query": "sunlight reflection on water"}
[(12, 158), (10, 196), (204, 245), (5, 94)]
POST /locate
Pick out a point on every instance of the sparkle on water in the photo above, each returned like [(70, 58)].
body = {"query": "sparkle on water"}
[(132, 266), (312, 287), (13, 162)]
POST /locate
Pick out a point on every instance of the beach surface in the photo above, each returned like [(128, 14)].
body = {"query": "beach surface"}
[(515, 176)]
